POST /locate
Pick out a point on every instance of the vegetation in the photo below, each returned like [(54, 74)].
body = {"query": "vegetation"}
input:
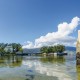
[(15, 47), (52, 49)]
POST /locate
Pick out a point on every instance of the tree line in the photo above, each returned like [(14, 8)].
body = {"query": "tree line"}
[(52, 49), (15, 47)]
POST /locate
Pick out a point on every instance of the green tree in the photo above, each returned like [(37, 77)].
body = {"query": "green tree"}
[(60, 48), (44, 49), (50, 49), (16, 47), (2, 46), (56, 48)]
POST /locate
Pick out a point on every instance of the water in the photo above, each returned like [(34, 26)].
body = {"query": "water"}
[(39, 68)]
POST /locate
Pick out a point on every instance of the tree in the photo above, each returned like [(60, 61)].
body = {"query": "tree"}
[(56, 48), (2, 46), (50, 49), (16, 47), (44, 49)]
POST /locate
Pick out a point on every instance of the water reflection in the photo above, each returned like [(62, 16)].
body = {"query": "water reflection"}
[(50, 66), (10, 61), (51, 59), (38, 68)]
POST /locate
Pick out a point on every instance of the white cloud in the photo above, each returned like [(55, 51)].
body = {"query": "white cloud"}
[(59, 37), (29, 45)]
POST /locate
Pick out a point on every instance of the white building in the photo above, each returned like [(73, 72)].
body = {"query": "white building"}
[(8, 49)]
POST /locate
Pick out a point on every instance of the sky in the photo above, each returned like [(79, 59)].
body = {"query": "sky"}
[(36, 23)]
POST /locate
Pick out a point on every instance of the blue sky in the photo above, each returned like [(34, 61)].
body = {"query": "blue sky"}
[(27, 20)]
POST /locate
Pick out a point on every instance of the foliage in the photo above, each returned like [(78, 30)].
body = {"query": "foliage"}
[(52, 49), (44, 49), (2, 46), (15, 47)]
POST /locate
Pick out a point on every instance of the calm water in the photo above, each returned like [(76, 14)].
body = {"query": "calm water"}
[(39, 68)]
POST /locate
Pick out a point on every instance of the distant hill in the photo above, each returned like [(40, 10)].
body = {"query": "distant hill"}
[(34, 50), (70, 48), (37, 50)]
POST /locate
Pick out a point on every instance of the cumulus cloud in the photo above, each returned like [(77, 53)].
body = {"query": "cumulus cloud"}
[(29, 45), (62, 36)]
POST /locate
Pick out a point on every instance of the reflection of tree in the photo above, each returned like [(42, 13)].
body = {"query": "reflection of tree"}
[(78, 72), (11, 61), (2, 61), (16, 61), (59, 59)]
